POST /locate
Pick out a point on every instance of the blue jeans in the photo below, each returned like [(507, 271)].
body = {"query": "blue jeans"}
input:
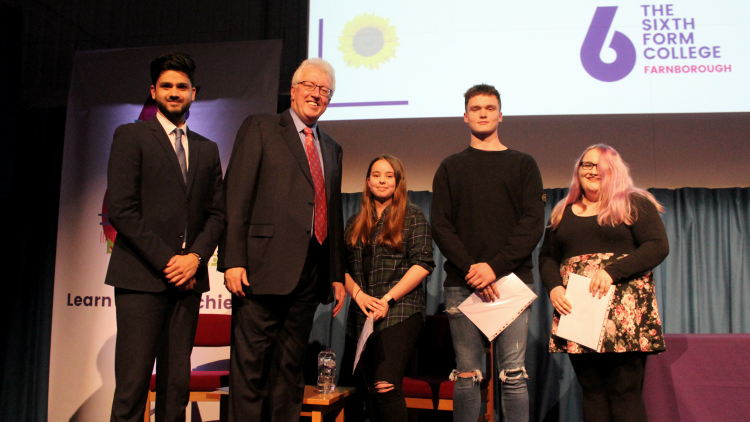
[(510, 353)]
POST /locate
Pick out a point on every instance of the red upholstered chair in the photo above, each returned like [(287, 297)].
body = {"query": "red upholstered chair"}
[(214, 330), (428, 386)]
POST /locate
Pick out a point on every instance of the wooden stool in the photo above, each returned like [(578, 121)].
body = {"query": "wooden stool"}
[(314, 404)]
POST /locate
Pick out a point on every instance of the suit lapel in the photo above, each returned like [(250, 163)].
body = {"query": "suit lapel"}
[(328, 160), (192, 159), (161, 136), (291, 136)]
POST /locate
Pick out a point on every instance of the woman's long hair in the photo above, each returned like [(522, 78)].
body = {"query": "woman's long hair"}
[(614, 199), (390, 235)]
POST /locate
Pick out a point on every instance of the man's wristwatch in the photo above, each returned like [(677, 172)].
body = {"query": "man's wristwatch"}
[(391, 301)]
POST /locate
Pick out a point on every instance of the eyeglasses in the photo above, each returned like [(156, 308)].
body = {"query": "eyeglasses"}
[(309, 86), (587, 165)]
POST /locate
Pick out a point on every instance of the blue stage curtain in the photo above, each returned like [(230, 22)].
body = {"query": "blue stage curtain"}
[(704, 284), (702, 287)]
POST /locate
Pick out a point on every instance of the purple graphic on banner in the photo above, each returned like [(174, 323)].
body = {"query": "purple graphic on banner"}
[(594, 42), (368, 104), (320, 39), (149, 110)]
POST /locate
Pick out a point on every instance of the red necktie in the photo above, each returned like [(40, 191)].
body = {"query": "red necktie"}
[(321, 209)]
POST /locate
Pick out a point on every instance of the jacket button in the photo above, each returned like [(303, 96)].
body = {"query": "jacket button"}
[(182, 235)]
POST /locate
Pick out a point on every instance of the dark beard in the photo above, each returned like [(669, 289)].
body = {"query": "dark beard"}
[(173, 116)]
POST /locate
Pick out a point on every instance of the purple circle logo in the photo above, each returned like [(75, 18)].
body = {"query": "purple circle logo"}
[(594, 42)]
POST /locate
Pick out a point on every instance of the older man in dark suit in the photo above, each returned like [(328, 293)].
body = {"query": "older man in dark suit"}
[(283, 251), (166, 203)]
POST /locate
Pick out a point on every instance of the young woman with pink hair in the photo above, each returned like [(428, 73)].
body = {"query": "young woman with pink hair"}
[(610, 231)]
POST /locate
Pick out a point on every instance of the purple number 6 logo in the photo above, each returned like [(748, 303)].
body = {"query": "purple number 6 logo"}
[(594, 42)]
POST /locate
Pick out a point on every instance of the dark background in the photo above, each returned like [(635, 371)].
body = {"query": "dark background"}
[(38, 41)]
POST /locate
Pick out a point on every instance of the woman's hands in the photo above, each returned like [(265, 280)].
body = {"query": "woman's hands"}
[(600, 283), (372, 307), (384, 307), (560, 301)]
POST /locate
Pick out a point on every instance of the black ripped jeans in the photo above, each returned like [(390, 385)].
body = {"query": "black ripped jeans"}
[(384, 360)]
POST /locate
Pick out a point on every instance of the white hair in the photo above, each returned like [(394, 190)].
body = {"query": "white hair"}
[(319, 64)]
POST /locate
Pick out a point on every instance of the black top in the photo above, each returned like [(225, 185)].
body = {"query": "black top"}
[(644, 242), (487, 206)]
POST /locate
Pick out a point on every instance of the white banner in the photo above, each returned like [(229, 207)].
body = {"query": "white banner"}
[(399, 59), (110, 88)]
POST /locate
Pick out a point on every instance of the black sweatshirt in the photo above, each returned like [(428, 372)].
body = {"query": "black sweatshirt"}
[(644, 242), (487, 206)]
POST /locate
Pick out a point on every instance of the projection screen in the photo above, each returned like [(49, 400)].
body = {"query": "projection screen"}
[(407, 59)]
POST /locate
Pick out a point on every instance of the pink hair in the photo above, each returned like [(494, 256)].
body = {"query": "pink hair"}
[(615, 194)]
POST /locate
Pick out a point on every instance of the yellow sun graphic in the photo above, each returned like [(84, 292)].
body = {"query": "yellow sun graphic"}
[(368, 40)]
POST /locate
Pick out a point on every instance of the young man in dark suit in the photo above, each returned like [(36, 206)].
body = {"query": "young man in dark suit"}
[(166, 203), (283, 252)]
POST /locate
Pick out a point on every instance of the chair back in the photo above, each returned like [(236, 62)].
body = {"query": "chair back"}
[(214, 330)]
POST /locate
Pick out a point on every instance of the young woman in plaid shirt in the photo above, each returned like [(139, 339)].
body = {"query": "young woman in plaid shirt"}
[(389, 249)]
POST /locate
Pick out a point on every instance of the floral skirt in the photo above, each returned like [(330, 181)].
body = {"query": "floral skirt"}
[(633, 323)]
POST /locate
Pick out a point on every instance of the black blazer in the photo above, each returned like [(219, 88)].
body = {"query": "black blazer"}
[(270, 200), (150, 205)]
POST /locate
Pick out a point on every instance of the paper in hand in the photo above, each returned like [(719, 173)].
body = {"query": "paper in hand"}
[(493, 317), (366, 331), (585, 323)]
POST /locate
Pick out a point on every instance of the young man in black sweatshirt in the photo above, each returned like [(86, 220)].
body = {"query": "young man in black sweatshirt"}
[(487, 218)]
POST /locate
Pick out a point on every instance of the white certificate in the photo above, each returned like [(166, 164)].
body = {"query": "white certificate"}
[(366, 331), (585, 322), (492, 317)]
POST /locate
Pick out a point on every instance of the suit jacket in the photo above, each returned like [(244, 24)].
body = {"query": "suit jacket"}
[(270, 201), (150, 205)]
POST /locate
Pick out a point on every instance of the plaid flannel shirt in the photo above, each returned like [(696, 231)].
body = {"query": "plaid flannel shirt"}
[(388, 267)]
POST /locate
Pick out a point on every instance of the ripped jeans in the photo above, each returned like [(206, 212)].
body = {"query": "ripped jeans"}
[(510, 353), (383, 364)]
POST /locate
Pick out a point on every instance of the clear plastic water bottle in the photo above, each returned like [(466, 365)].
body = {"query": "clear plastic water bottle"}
[(326, 371)]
